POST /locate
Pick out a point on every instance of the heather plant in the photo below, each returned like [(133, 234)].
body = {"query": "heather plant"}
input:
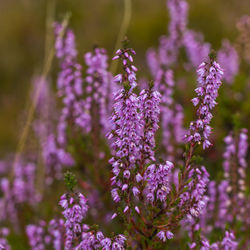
[(117, 164)]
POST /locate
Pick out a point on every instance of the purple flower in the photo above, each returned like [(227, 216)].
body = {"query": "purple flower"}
[(74, 214), (157, 178), (150, 102), (195, 47), (98, 86), (162, 236), (229, 242), (4, 232), (228, 59), (169, 235), (69, 84), (209, 78)]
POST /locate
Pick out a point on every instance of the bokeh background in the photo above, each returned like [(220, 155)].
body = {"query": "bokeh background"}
[(22, 39), (22, 47)]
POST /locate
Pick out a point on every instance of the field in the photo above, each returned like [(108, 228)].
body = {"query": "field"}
[(124, 124)]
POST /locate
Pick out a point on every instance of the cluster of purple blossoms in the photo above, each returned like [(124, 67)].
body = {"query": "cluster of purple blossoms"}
[(42, 236), (171, 113), (135, 121), (127, 133), (4, 245), (208, 213), (18, 191), (126, 55), (230, 195), (229, 61), (227, 243), (23, 186), (230, 151), (127, 129), (223, 205), (196, 202), (178, 10), (169, 45), (227, 202), (37, 236), (56, 231), (179, 36), (91, 240), (158, 185), (7, 203), (195, 197), (99, 85), (79, 235), (75, 209), (153, 61), (209, 78), (242, 151), (150, 102), (69, 84), (54, 159), (235, 170), (165, 235), (196, 49)]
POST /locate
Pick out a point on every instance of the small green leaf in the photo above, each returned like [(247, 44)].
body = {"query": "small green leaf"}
[(70, 180)]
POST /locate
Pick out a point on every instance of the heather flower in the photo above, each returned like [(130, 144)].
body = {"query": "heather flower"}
[(234, 172), (127, 133), (127, 137), (36, 235), (196, 49), (178, 11), (223, 204), (98, 85), (163, 236), (56, 231), (91, 240), (169, 45), (75, 209), (205, 245), (55, 159), (228, 242), (207, 215), (4, 232), (150, 101), (24, 183), (153, 61), (209, 79), (126, 55), (171, 114), (8, 203), (18, 191), (69, 84), (196, 191), (229, 61), (158, 186), (169, 235)]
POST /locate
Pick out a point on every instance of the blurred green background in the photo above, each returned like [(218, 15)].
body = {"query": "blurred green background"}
[(22, 38)]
